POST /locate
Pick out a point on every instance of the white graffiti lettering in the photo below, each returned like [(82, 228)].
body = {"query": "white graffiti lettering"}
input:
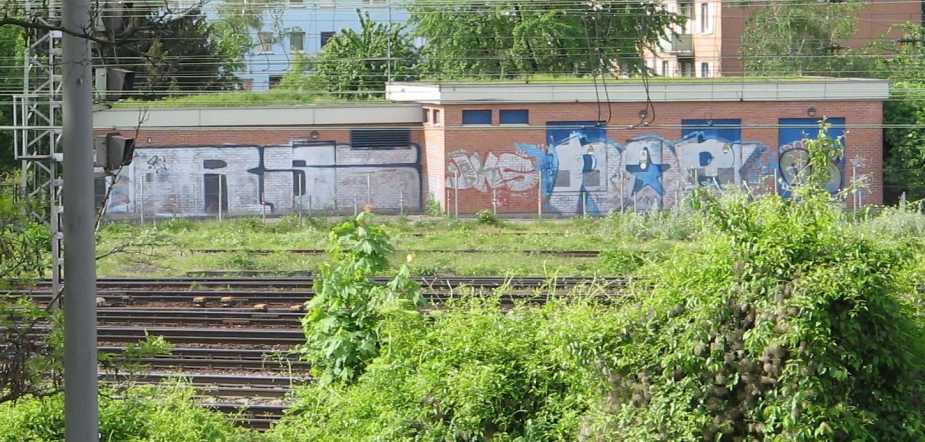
[(512, 171)]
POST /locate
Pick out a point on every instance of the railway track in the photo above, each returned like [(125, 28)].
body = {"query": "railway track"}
[(230, 292), (234, 395), (215, 336), (227, 300), (200, 317), (558, 253), (234, 354), (217, 360), (306, 282)]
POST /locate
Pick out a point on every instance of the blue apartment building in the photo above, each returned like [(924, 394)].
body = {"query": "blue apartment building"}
[(304, 26)]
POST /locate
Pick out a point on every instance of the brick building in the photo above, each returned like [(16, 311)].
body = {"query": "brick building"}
[(514, 148), (708, 44), (190, 162)]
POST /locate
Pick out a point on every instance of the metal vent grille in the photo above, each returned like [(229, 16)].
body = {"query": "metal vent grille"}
[(380, 138)]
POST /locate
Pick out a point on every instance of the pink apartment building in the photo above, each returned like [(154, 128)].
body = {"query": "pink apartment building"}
[(708, 45)]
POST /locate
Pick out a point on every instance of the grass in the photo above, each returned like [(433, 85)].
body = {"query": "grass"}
[(236, 99), (570, 79), (285, 98), (500, 249), (625, 240)]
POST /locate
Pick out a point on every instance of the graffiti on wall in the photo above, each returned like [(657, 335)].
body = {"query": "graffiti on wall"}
[(248, 179), (581, 170), (793, 155)]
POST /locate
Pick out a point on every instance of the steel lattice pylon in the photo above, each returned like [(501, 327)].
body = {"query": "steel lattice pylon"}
[(37, 118)]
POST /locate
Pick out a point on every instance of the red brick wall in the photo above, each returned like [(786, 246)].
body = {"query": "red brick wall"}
[(263, 136), (178, 171), (434, 157), (440, 142), (759, 123)]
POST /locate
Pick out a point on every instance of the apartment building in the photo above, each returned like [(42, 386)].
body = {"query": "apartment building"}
[(304, 27), (708, 44)]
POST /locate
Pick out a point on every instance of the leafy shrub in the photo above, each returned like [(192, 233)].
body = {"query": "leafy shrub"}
[(341, 324), (676, 224), (472, 372), (432, 206), (624, 261), (782, 326), (897, 222), (143, 414), (178, 225), (487, 217)]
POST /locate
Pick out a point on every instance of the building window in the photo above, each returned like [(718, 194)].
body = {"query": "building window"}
[(705, 70), (427, 115), (687, 10), (297, 40), (514, 116), (476, 117), (325, 37), (706, 27), (686, 68), (666, 68), (296, 3), (266, 43), (436, 117), (275, 80)]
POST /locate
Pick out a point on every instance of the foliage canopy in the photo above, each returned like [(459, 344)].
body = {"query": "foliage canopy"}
[(510, 38), (781, 324), (357, 65)]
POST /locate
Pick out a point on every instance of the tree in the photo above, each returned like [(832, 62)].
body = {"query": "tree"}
[(796, 37), (509, 38), (11, 45), (904, 114), (238, 20), (174, 52), (358, 64)]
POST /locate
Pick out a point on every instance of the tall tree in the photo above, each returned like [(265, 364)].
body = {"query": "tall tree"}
[(170, 51), (517, 37), (11, 49), (358, 64), (796, 37), (904, 113)]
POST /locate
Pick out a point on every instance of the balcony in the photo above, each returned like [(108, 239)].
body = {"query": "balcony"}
[(681, 45)]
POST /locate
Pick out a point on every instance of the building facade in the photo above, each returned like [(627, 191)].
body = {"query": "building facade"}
[(708, 44), (253, 161), (518, 149), (303, 27), (535, 148)]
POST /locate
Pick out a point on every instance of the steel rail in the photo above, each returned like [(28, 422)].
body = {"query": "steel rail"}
[(308, 281), (560, 253)]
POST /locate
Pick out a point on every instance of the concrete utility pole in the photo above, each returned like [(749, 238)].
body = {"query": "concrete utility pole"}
[(81, 408)]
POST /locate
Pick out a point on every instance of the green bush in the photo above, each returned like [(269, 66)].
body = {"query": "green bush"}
[(487, 217), (143, 414), (782, 325), (342, 319), (470, 373)]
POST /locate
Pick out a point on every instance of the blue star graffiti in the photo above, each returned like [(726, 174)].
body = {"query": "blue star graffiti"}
[(647, 174)]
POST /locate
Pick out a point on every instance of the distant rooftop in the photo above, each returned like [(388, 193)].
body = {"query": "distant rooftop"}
[(548, 89), (577, 90), (320, 114)]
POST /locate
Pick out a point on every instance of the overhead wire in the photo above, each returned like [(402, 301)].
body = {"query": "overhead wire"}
[(293, 10)]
